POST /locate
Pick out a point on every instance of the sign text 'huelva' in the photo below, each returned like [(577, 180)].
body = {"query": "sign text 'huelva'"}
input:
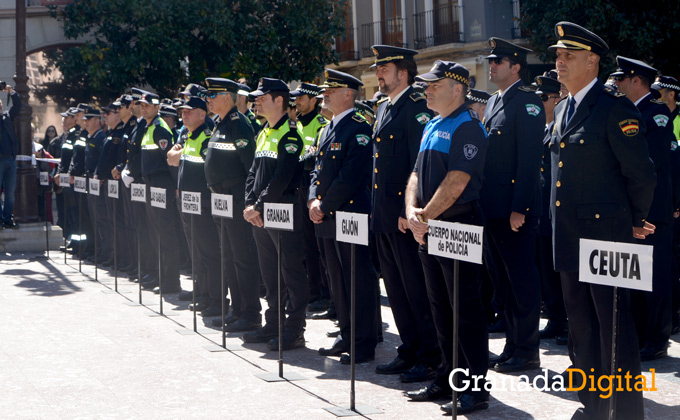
[(222, 205)]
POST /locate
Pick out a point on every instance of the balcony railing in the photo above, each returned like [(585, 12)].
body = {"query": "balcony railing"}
[(385, 32), (437, 26), (344, 45)]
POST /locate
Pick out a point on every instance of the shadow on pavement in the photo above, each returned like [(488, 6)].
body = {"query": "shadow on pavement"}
[(50, 282)]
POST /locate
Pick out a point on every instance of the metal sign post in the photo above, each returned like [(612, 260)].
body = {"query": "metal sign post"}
[(138, 194), (64, 183), (222, 207), (80, 186), (45, 181), (634, 270), (113, 193), (94, 190), (461, 243), (352, 228), (191, 205), (279, 216), (158, 198)]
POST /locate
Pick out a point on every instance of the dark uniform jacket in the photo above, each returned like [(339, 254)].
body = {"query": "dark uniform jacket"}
[(134, 150), (109, 155), (341, 177), (544, 225), (275, 175), (77, 167), (396, 140), (128, 128), (515, 124), (93, 149), (72, 136), (230, 152), (659, 135), (602, 177)]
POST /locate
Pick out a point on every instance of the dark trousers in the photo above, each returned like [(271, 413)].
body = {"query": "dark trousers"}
[(206, 252), (70, 212), (129, 232), (163, 229), (316, 273), (241, 266), (551, 285), (652, 310), (473, 339), (402, 274), (102, 225), (83, 226), (294, 282), (60, 209), (590, 311), (123, 246), (338, 263), (143, 232), (513, 254)]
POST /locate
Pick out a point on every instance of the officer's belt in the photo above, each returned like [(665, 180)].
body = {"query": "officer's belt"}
[(222, 186), (457, 210)]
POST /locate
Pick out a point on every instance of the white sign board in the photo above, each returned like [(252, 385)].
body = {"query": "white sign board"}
[(80, 184), (44, 178), (278, 216), (64, 180), (113, 188), (351, 228), (616, 264), (222, 205), (94, 187), (455, 240), (157, 197), (138, 192), (191, 202)]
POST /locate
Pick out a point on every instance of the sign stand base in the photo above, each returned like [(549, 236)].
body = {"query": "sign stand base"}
[(287, 376), (359, 410)]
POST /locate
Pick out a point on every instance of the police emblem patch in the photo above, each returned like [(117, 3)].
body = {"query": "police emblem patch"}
[(163, 144), (291, 148), (532, 109), (469, 150), (363, 139), (661, 120), (674, 145), (629, 127), (423, 118), (241, 143)]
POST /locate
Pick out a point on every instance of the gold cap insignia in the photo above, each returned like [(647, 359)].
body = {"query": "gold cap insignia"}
[(539, 81), (492, 43), (560, 31), (375, 52), (326, 74)]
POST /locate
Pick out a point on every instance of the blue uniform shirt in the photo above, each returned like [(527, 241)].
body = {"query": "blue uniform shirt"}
[(454, 143)]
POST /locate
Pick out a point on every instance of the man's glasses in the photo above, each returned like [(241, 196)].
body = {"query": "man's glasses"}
[(545, 97), (499, 60), (212, 95)]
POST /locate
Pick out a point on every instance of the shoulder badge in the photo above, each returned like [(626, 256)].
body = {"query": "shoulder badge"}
[(661, 120), (322, 120), (533, 109), (163, 143), (292, 124), (674, 145), (630, 127), (241, 143), (363, 139), (133, 121), (358, 117), (470, 151), (207, 132), (423, 118), (417, 96), (613, 92), (233, 116), (291, 148)]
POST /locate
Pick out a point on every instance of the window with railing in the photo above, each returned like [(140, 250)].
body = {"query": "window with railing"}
[(385, 32), (438, 26), (44, 3)]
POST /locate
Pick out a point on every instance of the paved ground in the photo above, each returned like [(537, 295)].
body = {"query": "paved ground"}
[(72, 348)]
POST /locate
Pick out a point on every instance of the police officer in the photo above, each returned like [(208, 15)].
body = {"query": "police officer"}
[(309, 123), (77, 168), (340, 182), (476, 100), (444, 185), (156, 140), (229, 156), (652, 310), (206, 246), (602, 188), (71, 134), (242, 105), (274, 178), (396, 140), (510, 199)]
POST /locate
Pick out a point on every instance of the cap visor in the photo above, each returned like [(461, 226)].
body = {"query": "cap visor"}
[(428, 77), (560, 44)]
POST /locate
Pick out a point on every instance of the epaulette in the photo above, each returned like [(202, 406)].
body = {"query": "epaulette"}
[(495, 92), (528, 89), (72, 130), (157, 121), (417, 96), (383, 100), (234, 116), (658, 102), (207, 132), (473, 114), (321, 119), (359, 118), (133, 121), (613, 92), (292, 124)]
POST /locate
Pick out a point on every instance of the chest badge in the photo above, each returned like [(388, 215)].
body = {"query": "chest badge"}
[(335, 146)]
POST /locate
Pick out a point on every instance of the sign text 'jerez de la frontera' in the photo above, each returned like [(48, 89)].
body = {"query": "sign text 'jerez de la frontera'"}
[(191, 202)]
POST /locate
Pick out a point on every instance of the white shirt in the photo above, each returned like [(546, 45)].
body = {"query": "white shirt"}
[(640, 100), (336, 118), (581, 94), (396, 98), (502, 92)]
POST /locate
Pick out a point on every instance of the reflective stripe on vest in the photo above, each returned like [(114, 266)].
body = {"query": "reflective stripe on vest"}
[(268, 140), (221, 146), (192, 148), (147, 140)]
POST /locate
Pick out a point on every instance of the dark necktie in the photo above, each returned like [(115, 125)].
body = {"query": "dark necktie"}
[(570, 110)]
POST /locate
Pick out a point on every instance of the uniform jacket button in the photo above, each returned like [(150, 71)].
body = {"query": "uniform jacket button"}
[(557, 203)]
